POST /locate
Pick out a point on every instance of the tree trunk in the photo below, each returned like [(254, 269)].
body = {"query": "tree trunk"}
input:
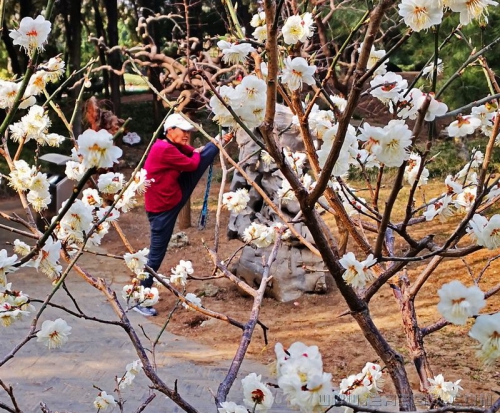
[(114, 58), (11, 51), (75, 56), (102, 56)]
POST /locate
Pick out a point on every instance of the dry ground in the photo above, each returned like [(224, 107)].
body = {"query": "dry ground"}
[(314, 319)]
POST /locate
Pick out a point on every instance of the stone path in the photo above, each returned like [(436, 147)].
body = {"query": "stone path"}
[(64, 378)]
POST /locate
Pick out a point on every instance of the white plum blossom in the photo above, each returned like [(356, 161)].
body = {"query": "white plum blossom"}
[(387, 87), (256, 395), (236, 201), (453, 186), (6, 266), (465, 200), (104, 400), (31, 34), (373, 59), (358, 273), (471, 9), (298, 28), (8, 93), (487, 233), (110, 182), (258, 19), (486, 330), (148, 297), (54, 334), (463, 126), (91, 198), (75, 170), (428, 71), (259, 235), (234, 53), (392, 149), (441, 207), (48, 259), (110, 216), (193, 299), (97, 149), (458, 302), (296, 72), (181, 272), (421, 14), (231, 407), (339, 102), (54, 68), (137, 260), (260, 34), (436, 108), (447, 391), (412, 168)]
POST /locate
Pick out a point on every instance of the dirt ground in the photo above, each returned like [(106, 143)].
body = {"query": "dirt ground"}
[(315, 319)]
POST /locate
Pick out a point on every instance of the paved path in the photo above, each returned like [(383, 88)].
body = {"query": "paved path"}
[(64, 378)]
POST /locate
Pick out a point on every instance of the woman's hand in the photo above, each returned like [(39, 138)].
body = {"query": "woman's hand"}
[(199, 149)]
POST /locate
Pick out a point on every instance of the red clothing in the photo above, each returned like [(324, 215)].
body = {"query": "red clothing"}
[(164, 164)]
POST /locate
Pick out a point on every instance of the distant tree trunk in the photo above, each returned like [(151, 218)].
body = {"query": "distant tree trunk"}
[(11, 51), (102, 56), (114, 58), (75, 55), (25, 10)]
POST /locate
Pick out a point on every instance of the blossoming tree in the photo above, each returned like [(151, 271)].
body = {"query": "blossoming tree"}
[(375, 245)]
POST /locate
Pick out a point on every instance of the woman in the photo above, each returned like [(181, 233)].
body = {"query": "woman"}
[(174, 168)]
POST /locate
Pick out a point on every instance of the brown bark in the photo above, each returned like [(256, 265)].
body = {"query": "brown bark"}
[(114, 58)]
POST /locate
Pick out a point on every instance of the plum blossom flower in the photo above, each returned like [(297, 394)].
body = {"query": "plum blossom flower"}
[(463, 126), (110, 182), (296, 72), (392, 149), (260, 33), (236, 201), (90, 197), (193, 299), (471, 9), (373, 59), (297, 28), (428, 71), (436, 108), (486, 330), (233, 54), (441, 207), (256, 395), (54, 68), (32, 34), (487, 233), (137, 260), (421, 14), (412, 168), (259, 235), (258, 19), (232, 407), (97, 149), (387, 87), (148, 297), (48, 258), (458, 303), (8, 93), (104, 400), (6, 266), (465, 200), (181, 272), (447, 391), (453, 186), (54, 334), (357, 273)]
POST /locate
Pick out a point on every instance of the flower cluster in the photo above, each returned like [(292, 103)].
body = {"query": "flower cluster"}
[(360, 387), (13, 305), (136, 294), (132, 370), (180, 273), (104, 400), (137, 261), (247, 100), (301, 376), (486, 330), (447, 391), (34, 126), (24, 177), (423, 14), (236, 201), (6, 266)]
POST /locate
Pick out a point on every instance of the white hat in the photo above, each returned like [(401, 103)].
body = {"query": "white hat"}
[(177, 121)]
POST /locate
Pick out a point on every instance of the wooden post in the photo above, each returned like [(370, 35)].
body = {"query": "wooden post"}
[(185, 216)]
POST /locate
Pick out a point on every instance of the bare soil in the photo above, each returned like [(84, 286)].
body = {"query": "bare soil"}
[(316, 319)]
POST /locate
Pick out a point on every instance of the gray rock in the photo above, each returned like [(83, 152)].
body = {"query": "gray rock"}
[(178, 240), (296, 270)]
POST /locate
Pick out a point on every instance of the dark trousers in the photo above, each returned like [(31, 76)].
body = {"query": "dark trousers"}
[(162, 224)]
